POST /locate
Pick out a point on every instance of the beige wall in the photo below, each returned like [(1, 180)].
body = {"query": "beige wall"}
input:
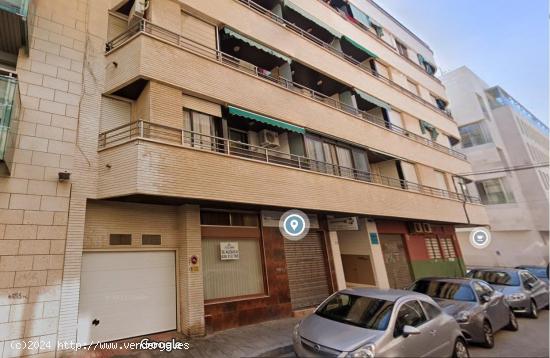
[(159, 169)]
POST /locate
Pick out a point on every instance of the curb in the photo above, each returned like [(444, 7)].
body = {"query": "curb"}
[(275, 352)]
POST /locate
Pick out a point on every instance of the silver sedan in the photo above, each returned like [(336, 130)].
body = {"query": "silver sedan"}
[(525, 293), (368, 322), (478, 308)]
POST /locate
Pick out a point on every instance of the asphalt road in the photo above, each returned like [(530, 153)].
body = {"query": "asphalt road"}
[(531, 340)]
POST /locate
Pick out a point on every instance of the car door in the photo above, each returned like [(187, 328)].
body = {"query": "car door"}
[(411, 313), (496, 308), (440, 330), (536, 287)]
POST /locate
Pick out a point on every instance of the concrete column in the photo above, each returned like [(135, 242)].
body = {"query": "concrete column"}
[(337, 260), (379, 267), (191, 302)]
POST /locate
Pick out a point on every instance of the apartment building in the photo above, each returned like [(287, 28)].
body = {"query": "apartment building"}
[(498, 132), (150, 148)]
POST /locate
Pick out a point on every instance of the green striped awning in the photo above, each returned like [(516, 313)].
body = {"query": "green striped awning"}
[(253, 43), (372, 99), (312, 18), (359, 46), (263, 119), (360, 15)]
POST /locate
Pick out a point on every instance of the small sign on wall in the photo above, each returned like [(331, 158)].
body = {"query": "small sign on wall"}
[(343, 224), (229, 250), (374, 238), (271, 219)]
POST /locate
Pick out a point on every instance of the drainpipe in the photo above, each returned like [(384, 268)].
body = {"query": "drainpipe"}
[(463, 200)]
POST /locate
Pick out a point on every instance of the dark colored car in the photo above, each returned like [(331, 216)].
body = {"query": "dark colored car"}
[(477, 307), (541, 272), (524, 292)]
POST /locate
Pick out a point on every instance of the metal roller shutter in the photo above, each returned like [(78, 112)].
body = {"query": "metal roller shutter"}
[(395, 258), (308, 274)]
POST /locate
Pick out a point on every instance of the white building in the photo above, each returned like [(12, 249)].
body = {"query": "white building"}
[(498, 132)]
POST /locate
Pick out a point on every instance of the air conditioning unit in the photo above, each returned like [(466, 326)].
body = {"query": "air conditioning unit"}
[(269, 139), (416, 228), (427, 227), (137, 11)]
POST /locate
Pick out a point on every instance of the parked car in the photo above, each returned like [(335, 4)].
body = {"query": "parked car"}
[(368, 322), (477, 307), (525, 293), (541, 272)]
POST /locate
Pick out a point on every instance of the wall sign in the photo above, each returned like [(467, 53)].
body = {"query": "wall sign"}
[(349, 223), (194, 263), (229, 250), (374, 238)]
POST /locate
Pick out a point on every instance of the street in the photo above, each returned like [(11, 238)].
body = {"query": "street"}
[(530, 341)]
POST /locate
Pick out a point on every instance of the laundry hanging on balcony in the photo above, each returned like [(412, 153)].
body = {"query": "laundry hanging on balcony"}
[(229, 32), (263, 119), (311, 18), (372, 99)]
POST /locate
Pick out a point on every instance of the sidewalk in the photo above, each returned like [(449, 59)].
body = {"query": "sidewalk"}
[(265, 339)]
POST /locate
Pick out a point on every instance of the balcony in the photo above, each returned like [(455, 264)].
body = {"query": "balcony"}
[(10, 105), (347, 55), (143, 158), (156, 59), (14, 27)]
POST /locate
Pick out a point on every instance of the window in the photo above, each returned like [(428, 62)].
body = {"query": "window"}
[(365, 312), (432, 246), (410, 314), (444, 290), (430, 69), (402, 49), (494, 191), (474, 134), (483, 107), (545, 180), (150, 239), (232, 278), (431, 310), (448, 247), (226, 218), (203, 126), (120, 239)]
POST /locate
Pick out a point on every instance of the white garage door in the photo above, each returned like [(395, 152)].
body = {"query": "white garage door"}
[(126, 294)]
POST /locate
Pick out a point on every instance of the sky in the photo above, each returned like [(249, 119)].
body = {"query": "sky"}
[(505, 42)]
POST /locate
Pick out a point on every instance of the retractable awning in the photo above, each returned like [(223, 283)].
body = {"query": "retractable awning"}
[(360, 15), (372, 99), (312, 18), (263, 119), (253, 43), (359, 46)]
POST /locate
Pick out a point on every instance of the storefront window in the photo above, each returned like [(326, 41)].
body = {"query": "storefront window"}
[(233, 277)]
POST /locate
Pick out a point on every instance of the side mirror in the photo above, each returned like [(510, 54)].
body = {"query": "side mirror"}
[(484, 298), (530, 285), (410, 331)]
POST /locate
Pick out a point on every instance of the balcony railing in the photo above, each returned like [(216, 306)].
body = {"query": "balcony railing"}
[(10, 104), (290, 26), (146, 27), (189, 139)]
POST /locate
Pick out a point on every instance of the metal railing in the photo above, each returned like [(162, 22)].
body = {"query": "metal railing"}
[(146, 27), (186, 138), (258, 8)]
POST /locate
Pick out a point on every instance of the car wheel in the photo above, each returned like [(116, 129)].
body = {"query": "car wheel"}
[(533, 311), (488, 335), (512, 322), (460, 349)]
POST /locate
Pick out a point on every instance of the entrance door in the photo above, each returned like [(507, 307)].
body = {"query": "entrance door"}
[(308, 274), (126, 294), (395, 258)]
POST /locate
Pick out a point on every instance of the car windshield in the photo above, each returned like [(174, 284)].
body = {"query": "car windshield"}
[(365, 312), (498, 277), (445, 290)]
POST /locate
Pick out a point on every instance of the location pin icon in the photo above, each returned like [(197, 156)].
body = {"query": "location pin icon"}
[(294, 224)]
